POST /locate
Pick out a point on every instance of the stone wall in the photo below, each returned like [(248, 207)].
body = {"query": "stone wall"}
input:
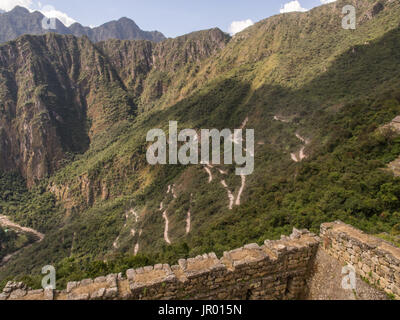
[(275, 270), (376, 260)]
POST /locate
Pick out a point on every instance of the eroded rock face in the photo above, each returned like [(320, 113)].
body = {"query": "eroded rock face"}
[(146, 68), (56, 94)]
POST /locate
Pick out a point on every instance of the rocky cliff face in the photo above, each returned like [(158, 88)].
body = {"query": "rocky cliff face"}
[(20, 21), (123, 29), (58, 92), (51, 88), (150, 69)]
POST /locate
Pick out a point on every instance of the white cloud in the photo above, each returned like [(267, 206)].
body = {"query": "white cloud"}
[(8, 5), (51, 12), (237, 26), (327, 1), (47, 10), (293, 6)]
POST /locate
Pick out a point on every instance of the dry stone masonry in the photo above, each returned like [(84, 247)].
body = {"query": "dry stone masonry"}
[(376, 260), (276, 270)]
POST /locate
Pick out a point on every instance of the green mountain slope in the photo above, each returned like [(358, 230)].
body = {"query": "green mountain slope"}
[(332, 87)]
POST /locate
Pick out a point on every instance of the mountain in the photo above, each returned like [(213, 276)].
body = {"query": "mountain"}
[(75, 116), (58, 85), (20, 21), (123, 29), (49, 82)]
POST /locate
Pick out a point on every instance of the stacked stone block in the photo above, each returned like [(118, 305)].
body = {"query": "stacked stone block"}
[(375, 260), (275, 270)]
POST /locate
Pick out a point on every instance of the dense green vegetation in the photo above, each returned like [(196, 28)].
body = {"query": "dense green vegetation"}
[(10, 242), (36, 208)]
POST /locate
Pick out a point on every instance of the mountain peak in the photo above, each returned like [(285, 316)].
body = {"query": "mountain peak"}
[(21, 21), (19, 10), (127, 20)]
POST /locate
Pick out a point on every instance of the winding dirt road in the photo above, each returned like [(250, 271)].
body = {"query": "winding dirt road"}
[(241, 190), (210, 179), (166, 229), (5, 222)]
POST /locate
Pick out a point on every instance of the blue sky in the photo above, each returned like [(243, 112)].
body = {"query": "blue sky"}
[(172, 17)]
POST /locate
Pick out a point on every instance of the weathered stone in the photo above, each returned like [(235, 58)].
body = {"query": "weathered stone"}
[(3, 296), (86, 282), (98, 294), (71, 286), (148, 269), (100, 280), (111, 293), (182, 263), (49, 294), (276, 270), (17, 294), (130, 274)]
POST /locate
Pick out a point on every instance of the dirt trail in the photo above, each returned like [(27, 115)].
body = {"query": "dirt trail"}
[(188, 222), (136, 249), (230, 195), (174, 193), (222, 172), (5, 222), (189, 217), (115, 243), (241, 190), (304, 140), (171, 189), (300, 156), (210, 176), (166, 229), (281, 119), (294, 157), (134, 213), (128, 214), (244, 124)]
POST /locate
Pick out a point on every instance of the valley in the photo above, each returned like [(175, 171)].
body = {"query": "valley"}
[(74, 116)]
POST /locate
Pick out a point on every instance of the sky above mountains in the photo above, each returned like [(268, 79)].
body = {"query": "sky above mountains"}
[(173, 17)]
